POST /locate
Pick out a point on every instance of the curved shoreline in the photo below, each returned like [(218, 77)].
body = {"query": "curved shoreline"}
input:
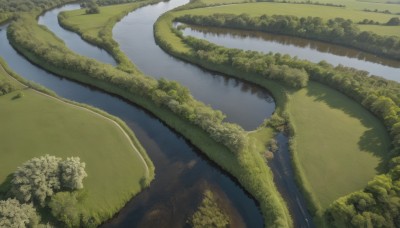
[(218, 153)]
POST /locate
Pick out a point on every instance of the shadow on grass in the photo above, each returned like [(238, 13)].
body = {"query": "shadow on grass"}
[(375, 139), (5, 187)]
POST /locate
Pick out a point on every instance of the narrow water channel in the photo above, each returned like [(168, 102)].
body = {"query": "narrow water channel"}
[(243, 103), (182, 173), (311, 50), (71, 39)]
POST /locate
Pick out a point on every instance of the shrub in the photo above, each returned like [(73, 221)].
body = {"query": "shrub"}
[(14, 214)]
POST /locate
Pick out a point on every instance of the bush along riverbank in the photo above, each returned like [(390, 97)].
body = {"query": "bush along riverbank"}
[(379, 96), (100, 33), (225, 143), (337, 30)]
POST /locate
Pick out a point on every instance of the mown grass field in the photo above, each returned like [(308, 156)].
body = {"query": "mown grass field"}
[(304, 10), (339, 145), (37, 124)]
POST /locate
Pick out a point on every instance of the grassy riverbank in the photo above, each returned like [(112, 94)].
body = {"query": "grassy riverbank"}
[(245, 165), (332, 132), (116, 164), (97, 28)]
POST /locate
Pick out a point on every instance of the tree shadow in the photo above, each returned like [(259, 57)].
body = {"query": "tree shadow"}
[(372, 141), (5, 187)]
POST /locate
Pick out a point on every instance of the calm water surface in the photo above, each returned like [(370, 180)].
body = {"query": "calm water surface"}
[(73, 40), (243, 103), (182, 173), (313, 51)]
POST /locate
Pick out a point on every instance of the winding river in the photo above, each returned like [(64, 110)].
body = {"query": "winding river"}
[(311, 50), (182, 173)]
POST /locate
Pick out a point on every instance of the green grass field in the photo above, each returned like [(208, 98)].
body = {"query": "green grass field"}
[(37, 124), (302, 10), (92, 24), (340, 146)]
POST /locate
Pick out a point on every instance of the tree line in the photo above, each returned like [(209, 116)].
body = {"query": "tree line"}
[(29, 5), (338, 30), (375, 205)]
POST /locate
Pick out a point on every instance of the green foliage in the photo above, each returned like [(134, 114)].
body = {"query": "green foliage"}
[(376, 206), (249, 62), (5, 87), (36, 180), (113, 2), (14, 214), (65, 206), (72, 172), (209, 213), (91, 7), (338, 30), (39, 178), (394, 21), (28, 5)]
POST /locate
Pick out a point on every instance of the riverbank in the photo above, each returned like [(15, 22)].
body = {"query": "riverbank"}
[(108, 185), (97, 28), (174, 45), (311, 22), (247, 168)]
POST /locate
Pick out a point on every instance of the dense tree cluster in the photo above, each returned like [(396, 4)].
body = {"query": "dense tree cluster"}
[(5, 87), (378, 204), (394, 21), (40, 178), (336, 30), (15, 214), (91, 6), (28, 5), (165, 94), (66, 207)]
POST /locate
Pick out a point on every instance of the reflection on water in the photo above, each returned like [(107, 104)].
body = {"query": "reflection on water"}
[(71, 39), (182, 173), (243, 103), (313, 51)]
